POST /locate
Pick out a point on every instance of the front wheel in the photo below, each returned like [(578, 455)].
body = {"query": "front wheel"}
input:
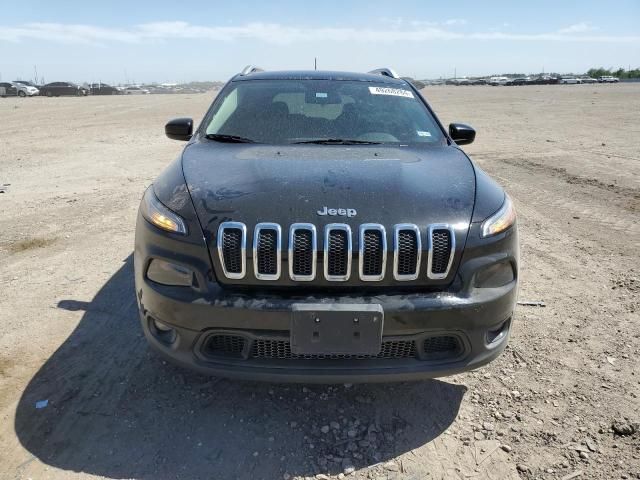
[(22, 94), (49, 94)]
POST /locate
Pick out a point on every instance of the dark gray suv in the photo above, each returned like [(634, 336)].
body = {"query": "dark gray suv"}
[(325, 227)]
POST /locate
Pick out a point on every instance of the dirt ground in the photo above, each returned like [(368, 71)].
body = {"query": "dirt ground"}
[(562, 402)]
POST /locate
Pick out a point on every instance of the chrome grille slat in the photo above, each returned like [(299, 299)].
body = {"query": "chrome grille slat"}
[(232, 245), (267, 248), (373, 252), (303, 252), (407, 252), (442, 247), (337, 252)]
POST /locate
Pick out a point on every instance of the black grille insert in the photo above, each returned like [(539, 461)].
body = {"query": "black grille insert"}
[(441, 251), (302, 252), (372, 253), (226, 346), (338, 253), (232, 249), (267, 252), (407, 252), (441, 347), (281, 350), (233, 346)]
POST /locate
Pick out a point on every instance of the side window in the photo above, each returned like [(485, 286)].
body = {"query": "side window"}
[(226, 109)]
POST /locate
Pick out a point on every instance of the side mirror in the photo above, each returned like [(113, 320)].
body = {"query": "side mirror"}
[(462, 134), (179, 129)]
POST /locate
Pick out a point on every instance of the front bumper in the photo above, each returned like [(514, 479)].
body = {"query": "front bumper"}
[(474, 317), (416, 318)]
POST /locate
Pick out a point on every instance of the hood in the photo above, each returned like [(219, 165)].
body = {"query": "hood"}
[(287, 184)]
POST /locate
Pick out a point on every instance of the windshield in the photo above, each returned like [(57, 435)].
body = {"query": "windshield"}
[(331, 111)]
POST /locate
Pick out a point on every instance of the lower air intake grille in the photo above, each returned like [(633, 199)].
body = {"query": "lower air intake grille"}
[(441, 347), (232, 346), (226, 346), (302, 252), (281, 350), (338, 253), (441, 242)]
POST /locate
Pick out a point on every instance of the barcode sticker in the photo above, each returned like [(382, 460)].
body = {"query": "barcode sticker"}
[(396, 92)]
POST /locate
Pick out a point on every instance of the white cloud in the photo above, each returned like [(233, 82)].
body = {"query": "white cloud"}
[(582, 27), (273, 33), (455, 21)]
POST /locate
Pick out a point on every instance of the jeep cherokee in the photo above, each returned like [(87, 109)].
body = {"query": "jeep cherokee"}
[(325, 227)]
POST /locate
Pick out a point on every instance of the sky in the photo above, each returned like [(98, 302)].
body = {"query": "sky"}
[(172, 41)]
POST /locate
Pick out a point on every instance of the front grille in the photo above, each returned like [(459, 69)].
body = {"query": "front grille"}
[(281, 350), (336, 252)]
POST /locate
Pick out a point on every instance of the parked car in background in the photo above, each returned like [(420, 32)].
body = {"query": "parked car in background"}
[(135, 91), (8, 90), (25, 88), (478, 81), (545, 80), (518, 81), (568, 80), (57, 89), (103, 89), (495, 81), (588, 79), (608, 79)]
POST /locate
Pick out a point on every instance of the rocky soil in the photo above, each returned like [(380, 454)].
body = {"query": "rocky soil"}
[(81, 396)]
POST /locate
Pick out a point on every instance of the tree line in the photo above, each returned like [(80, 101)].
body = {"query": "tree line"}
[(620, 72)]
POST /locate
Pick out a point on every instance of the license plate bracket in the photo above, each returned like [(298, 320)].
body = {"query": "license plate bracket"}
[(336, 329)]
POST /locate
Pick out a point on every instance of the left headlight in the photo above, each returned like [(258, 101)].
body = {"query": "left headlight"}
[(159, 215), (501, 220)]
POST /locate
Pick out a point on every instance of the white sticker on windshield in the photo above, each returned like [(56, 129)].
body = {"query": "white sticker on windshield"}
[(423, 134), (396, 92), (321, 95)]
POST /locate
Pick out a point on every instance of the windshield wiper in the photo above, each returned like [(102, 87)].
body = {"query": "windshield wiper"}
[(338, 141), (228, 138)]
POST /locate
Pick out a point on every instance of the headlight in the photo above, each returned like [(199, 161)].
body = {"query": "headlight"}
[(159, 215), (501, 220)]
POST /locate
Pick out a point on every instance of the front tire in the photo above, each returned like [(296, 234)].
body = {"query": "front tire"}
[(22, 94), (49, 94)]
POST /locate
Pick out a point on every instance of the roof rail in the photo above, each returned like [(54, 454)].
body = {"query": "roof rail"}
[(386, 72), (250, 69)]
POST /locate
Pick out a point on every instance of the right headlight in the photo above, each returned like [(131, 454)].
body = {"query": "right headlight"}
[(160, 216), (501, 220)]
